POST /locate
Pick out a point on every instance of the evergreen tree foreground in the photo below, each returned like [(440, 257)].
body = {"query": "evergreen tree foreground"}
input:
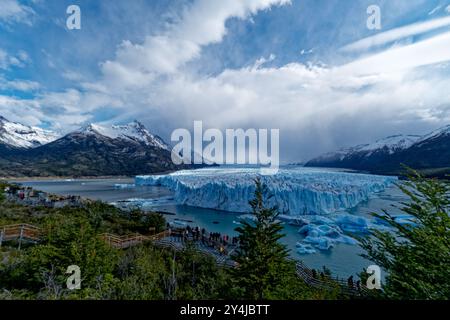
[(416, 256)]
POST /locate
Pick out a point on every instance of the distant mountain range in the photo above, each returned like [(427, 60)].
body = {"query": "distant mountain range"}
[(429, 153), (131, 149), (93, 150)]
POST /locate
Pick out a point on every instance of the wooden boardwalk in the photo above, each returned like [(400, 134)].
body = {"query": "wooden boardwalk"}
[(32, 234), (123, 242), (19, 232), (223, 260), (330, 284)]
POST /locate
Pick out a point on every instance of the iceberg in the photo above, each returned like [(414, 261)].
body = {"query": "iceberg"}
[(295, 191), (305, 248), (353, 224), (323, 234)]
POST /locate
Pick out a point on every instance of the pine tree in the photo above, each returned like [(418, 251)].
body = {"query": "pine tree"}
[(416, 257), (262, 265)]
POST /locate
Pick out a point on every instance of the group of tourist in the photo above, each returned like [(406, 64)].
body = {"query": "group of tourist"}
[(212, 239)]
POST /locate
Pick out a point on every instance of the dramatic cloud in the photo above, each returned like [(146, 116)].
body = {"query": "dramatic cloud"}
[(160, 81), (315, 100), (200, 24)]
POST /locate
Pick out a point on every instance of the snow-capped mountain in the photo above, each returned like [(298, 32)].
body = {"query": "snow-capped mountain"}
[(134, 131), (17, 135), (388, 145), (388, 155), (94, 150)]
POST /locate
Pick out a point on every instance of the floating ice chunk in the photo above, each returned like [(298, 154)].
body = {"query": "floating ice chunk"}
[(305, 230), (324, 244), (312, 238), (352, 224), (124, 186), (305, 248), (324, 236), (321, 230), (330, 231), (320, 242)]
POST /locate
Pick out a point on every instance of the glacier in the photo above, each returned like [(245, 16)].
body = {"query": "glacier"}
[(296, 191)]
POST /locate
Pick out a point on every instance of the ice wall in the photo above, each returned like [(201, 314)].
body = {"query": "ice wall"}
[(296, 191)]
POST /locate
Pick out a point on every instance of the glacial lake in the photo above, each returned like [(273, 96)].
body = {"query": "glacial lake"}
[(343, 260)]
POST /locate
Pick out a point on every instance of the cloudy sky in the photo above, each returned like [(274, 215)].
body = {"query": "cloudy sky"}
[(310, 68)]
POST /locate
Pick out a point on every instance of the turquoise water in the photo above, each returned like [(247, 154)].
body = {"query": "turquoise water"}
[(343, 259)]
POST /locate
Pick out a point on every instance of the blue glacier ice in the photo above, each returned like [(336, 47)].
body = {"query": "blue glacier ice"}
[(353, 224), (313, 199), (305, 248), (296, 191), (323, 236)]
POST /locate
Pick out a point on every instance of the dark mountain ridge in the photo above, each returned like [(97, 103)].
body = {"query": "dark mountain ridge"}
[(92, 151), (429, 153)]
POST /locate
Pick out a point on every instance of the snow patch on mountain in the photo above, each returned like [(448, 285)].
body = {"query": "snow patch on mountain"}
[(389, 145), (392, 144), (22, 136), (441, 132), (133, 131)]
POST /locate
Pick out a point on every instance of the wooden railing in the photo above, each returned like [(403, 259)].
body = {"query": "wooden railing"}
[(327, 283), (31, 233), (20, 232), (221, 260), (123, 242)]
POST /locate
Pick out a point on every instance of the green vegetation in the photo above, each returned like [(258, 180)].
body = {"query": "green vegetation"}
[(71, 236), (416, 257), (264, 271)]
